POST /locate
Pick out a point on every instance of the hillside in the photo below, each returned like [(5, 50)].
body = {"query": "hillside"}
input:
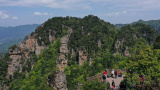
[(4, 47), (153, 23), (64, 51)]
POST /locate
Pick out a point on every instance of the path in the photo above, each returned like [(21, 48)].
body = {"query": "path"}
[(116, 80)]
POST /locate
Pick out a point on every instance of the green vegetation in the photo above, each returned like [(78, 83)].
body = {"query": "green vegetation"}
[(4, 47), (134, 34), (147, 64), (95, 85), (44, 67), (156, 44), (99, 40), (153, 23)]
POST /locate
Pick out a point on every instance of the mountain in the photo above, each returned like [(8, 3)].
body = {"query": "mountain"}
[(64, 51), (153, 23), (4, 47), (14, 35), (7, 33)]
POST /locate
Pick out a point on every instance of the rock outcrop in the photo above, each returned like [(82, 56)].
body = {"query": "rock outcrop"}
[(82, 57), (21, 53), (126, 52), (99, 43), (1, 56), (13, 65), (31, 44), (58, 81), (119, 46), (62, 62)]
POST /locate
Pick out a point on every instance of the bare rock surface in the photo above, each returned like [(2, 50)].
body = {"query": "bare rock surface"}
[(62, 62)]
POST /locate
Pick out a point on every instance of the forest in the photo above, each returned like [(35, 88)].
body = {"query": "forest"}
[(134, 47)]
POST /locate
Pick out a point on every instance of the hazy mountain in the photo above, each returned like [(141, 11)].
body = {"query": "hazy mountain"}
[(153, 23), (14, 35), (8, 33)]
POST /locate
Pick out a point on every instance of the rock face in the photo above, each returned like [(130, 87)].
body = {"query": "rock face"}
[(62, 62), (1, 56), (22, 54), (126, 52), (82, 57), (58, 82), (99, 43), (14, 64), (31, 44), (51, 37), (61, 83), (119, 46), (90, 61)]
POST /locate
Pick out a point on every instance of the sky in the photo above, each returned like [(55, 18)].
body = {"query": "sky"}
[(22, 12)]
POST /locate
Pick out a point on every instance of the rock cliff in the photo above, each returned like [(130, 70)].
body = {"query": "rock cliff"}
[(31, 44), (121, 49), (58, 81), (20, 54), (82, 57), (1, 56), (14, 65), (62, 62)]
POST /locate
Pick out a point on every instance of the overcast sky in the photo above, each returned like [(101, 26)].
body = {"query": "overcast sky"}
[(21, 12)]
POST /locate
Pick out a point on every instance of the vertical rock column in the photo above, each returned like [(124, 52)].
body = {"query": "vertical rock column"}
[(62, 62)]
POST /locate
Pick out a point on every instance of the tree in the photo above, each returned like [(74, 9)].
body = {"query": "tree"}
[(146, 64), (156, 44)]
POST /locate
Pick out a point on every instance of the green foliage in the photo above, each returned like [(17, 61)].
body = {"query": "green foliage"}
[(95, 85), (97, 39), (4, 65), (146, 63), (89, 31), (156, 44), (78, 74), (131, 35), (36, 79), (130, 32), (153, 23), (4, 47)]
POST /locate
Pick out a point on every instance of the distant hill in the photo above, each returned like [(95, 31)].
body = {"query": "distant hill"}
[(153, 23), (14, 35), (4, 47)]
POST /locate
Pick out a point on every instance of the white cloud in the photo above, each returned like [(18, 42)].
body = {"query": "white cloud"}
[(131, 5), (65, 4), (40, 14), (115, 13), (124, 12), (15, 18), (3, 15)]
